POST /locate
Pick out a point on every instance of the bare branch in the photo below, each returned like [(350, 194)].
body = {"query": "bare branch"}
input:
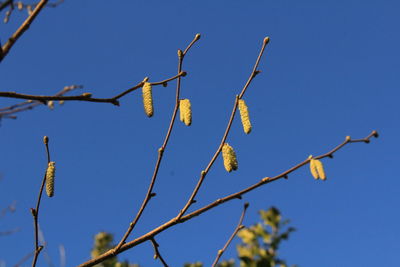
[(157, 254), (24, 259), (220, 201), (20, 31), (238, 227), (161, 150)]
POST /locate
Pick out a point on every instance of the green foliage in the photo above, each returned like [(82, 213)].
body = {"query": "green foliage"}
[(102, 243), (260, 242)]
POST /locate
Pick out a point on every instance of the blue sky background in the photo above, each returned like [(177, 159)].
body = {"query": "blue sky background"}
[(330, 70)]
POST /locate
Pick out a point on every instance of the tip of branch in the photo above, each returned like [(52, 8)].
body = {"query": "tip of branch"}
[(197, 37), (46, 140), (246, 205), (183, 73), (266, 40), (375, 134)]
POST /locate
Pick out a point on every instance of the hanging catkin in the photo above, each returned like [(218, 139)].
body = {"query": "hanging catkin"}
[(50, 174), (147, 99), (229, 157), (185, 109), (244, 115), (317, 169)]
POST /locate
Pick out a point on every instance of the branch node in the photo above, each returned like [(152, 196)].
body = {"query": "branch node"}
[(286, 176), (165, 84), (153, 195), (330, 156)]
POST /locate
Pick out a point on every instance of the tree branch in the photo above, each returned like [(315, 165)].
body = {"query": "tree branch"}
[(238, 227), (157, 254), (225, 136), (161, 150), (35, 212), (220, 201), (20, 31), (87, 96)]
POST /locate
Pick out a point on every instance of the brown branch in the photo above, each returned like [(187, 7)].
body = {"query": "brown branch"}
[(35, 212), (237, 195), (157, 254), (161, 150), (228, 127), (87, 96), (5, 4), (238, 227), (24, 26), (30, 104)]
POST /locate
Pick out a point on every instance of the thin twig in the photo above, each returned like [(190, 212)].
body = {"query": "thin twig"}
[(24, 259), (24, 26), (220, 201), (203, 174), (161, 150), (35, 212), (87, 96), (5, 4), (238, 227), (157, 254)]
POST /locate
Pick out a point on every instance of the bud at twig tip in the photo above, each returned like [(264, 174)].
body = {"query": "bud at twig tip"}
[(266, 40), (180, 53), (45, 140), (348, 138), (375, 134), (197, 37)]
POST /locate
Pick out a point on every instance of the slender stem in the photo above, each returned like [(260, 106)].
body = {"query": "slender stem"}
[(238, 227), (220, 201), (20, 31), (225, 136), (157, 254), (87, 96), (24, 259), (35, 212), (161, 150), (5, 4)]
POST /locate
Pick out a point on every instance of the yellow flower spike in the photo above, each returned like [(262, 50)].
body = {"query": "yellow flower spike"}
[(147, 99), (50, 174), (313, 167), (229, 157), (185, 109), (320, 170), (244, 115)]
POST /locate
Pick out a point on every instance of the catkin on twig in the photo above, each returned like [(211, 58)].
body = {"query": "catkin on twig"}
[(229, 157), (50, 174), (147, 99), (317, 169), (185, 109), (244, 115)]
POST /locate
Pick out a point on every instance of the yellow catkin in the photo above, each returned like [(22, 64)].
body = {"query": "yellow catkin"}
[(147, 99), (229, 157), (50, 174), (320, 170), (185, 109), (244, 115), (313, 168)]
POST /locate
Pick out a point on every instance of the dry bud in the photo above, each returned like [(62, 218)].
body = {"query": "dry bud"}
[(20, 5), (50, 174), (45, 140), (50, 104), (185, 109), (61, 102), (197, 37), (147, 99), (229, 157), (244, 115), (87, 95)]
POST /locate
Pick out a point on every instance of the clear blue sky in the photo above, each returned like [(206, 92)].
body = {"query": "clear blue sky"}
[(331, 70)]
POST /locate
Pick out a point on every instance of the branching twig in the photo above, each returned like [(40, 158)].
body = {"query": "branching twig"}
[(35, 212), (25, 25), (161, 150), (238, 227), (157, 254), (30, 104), (87, 96), (228, 127), (220, 201)]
